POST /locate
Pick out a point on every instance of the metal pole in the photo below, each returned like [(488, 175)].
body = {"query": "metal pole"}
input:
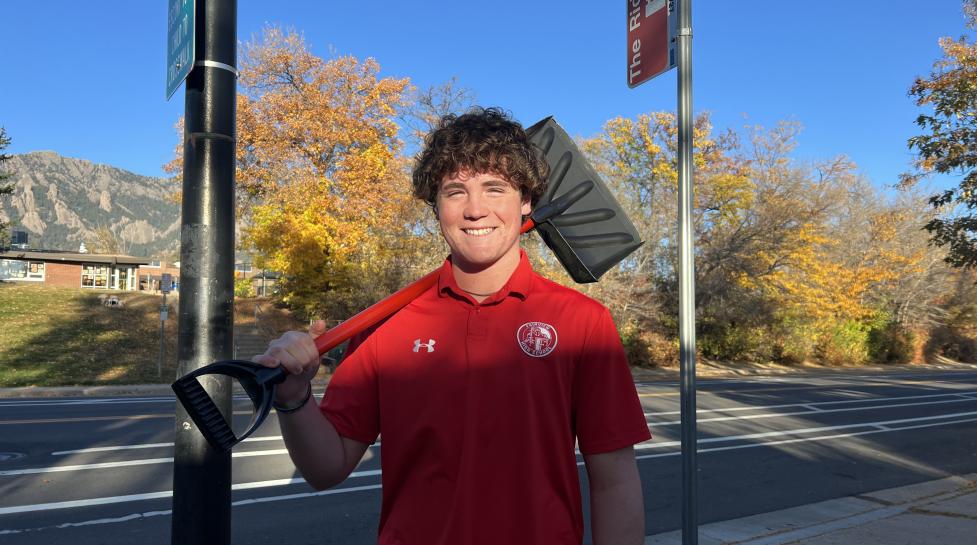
[(686, 313), (163, 314), (202, 475)]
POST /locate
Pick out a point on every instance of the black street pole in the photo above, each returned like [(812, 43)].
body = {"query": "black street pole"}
[(202, 475)]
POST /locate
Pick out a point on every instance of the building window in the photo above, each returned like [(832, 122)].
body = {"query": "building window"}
[(153, 265), (15, 269), (94, 276)]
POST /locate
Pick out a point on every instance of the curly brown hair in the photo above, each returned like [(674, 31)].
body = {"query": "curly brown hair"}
[(483, 140)]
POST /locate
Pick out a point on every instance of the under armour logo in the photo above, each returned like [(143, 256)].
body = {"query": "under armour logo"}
[(429, 345)]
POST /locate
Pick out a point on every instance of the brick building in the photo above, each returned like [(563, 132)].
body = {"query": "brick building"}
[(71, 269), (113, 272), (151, 274)]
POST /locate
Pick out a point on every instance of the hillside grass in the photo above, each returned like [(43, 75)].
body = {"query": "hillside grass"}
[(53, 336)]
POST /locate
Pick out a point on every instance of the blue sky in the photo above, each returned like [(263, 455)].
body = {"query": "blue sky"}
[(86, 79)]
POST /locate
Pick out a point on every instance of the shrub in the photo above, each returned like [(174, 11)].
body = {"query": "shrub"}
[(891, 342), (647, 348), (951, 343), (843, 343), (243, 287), (730, 342), (792, 339)]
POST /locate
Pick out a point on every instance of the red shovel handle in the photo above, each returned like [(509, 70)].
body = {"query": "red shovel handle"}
[(383, 308)]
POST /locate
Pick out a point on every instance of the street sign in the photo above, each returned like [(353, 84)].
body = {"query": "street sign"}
[(166, 283), (651, 39), (179, 43)]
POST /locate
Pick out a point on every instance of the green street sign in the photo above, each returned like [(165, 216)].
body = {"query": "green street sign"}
[(179, 43)]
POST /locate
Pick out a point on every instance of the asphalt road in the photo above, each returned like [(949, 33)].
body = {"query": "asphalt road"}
[(98, 470)]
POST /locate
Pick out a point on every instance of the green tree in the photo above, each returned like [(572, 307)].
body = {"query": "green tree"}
[(5, 188), (948, 144)]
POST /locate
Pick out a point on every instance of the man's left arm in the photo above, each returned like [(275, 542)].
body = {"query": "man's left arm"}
[(617, 513)]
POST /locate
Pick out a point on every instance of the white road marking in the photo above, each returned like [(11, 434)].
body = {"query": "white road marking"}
[(126, 463), (761, 435), (35, 402), (804, 439), (818, 411), (57, 469), (164, 445), (644, 446), (940, 376), (820, 403), (148, 514), (964, 395), (111, 449), (149, 445), (273, 452), (880, 428), (168, 493)]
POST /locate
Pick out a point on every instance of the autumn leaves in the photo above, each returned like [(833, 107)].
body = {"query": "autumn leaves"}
[(796, 260)]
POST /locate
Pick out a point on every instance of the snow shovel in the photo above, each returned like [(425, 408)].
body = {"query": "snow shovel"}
[(577, 218)]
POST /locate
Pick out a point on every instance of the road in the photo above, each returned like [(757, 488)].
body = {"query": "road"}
[(93, 470)]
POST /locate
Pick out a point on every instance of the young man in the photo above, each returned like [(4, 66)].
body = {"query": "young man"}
[(482, 386)]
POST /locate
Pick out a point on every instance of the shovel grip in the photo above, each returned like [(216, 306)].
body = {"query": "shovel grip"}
[(374, 313), (383, 308)]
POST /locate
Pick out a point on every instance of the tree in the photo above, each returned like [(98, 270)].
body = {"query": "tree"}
[(5, 188), (793, 260), (106, 241), (949, 143), (323, 186), (427, 106), (638, 160)]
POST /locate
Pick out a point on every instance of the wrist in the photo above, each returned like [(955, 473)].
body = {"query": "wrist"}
[(293, 406)]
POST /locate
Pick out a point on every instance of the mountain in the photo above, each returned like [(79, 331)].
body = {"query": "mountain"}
[(61, 202)]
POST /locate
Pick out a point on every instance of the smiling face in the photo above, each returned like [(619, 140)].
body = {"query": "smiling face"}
[(480, 217)]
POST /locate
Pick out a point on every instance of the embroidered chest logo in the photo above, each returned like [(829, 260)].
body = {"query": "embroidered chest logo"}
[(536, 338), (429, 345)]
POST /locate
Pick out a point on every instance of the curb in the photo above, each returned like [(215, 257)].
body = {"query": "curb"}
[(84, 391), (130, 390), (708, 372)]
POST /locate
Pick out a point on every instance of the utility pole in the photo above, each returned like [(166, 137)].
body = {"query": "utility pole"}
[(202, 475), (686, 313), (165, 285), (656, 39)]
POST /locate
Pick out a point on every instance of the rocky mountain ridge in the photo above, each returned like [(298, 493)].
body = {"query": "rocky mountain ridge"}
[(62, 202)]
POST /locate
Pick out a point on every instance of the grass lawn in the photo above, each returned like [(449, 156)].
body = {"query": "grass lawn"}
[(64, 336)]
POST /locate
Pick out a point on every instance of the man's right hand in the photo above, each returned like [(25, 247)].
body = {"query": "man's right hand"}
[(296, 352)]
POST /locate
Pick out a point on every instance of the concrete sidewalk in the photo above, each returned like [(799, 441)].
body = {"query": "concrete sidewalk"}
[(942, 512)]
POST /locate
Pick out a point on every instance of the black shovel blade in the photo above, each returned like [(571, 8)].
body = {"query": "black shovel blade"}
[(257, 381), (593, 234)]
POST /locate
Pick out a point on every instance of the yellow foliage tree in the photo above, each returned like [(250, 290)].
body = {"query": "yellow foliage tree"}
[(792, 260), (320, 170), (638, 159)]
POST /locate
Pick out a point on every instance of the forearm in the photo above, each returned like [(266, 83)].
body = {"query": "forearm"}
[(617, 512), (315, 447), (617, 515)]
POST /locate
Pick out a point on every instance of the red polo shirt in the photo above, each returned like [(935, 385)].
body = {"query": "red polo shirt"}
[(480, 405)]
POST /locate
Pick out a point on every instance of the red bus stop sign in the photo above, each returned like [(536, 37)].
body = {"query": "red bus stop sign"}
[(651, 39)]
